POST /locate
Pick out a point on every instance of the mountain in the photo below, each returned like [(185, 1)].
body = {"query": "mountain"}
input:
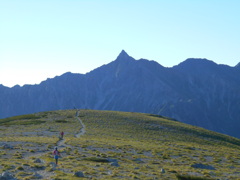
[(197, 91)]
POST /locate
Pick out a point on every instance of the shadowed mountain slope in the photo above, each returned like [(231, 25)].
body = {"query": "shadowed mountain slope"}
[(197, 91)]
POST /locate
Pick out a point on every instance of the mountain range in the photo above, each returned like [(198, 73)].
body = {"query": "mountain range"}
[(196, 91)]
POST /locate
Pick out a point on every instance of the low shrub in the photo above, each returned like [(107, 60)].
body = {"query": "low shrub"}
[(189, 177), (61, 121), (96, 159)]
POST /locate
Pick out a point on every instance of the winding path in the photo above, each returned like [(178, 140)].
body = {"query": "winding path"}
[(61, 144), (82, 131)]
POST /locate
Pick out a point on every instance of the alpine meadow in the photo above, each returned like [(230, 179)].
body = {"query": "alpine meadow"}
[(114, 145)]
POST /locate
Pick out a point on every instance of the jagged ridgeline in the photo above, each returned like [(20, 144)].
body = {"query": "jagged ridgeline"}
[(114, 145), (197, 92)]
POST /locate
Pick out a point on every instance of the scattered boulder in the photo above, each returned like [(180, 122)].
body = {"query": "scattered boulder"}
[(212, 173), (52, 169), (162, 170), (112, 160), (203, 166), (36, 176), (7, 146), (138, 160), (52, 164), (38, 161), (115, 164), (78, 174), (6, 176)]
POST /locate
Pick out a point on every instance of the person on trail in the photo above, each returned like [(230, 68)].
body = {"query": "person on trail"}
[(77, 113), (56, 154), (62, 133)]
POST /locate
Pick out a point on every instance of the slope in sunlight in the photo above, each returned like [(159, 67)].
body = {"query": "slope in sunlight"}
[(115, 145)]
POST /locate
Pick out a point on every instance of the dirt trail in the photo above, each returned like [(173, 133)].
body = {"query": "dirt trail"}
[(83, 129), (60, 144)]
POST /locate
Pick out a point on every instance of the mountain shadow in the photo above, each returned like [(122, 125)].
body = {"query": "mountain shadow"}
[(197, 91)]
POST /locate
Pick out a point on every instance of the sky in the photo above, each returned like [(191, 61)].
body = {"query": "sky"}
[(46, 38)]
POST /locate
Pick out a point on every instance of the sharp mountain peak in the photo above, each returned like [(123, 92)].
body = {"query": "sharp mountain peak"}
[(123, 53), (123, 56)]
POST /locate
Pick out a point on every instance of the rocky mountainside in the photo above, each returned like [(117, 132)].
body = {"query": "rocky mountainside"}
[(197, 91)]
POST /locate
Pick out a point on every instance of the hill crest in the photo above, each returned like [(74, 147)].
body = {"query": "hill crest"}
[(124, 144)]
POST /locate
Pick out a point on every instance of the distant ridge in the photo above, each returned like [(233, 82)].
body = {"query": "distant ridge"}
[(196, 62), (197, 91), (238, 65)]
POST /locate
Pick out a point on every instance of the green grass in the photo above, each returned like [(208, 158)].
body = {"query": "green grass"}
[(142, 144), (28, 119), (24, 122)]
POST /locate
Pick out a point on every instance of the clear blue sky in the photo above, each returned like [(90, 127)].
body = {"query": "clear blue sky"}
[(45, 38)]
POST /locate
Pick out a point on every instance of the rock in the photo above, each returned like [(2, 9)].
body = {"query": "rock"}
[(162, 170), (7, 146), (112, 160), (52, 169), (139, 160), (202, 166), (212, 173), (115, 164), (78, 174), (36, 176), (38, 161), (52, 164), (7, 176)]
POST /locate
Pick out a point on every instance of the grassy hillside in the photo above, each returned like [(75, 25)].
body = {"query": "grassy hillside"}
[(114, 145)]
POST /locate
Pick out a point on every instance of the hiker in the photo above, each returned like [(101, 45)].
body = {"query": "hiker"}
[(77, 113), (62, 133), (56, 154)]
